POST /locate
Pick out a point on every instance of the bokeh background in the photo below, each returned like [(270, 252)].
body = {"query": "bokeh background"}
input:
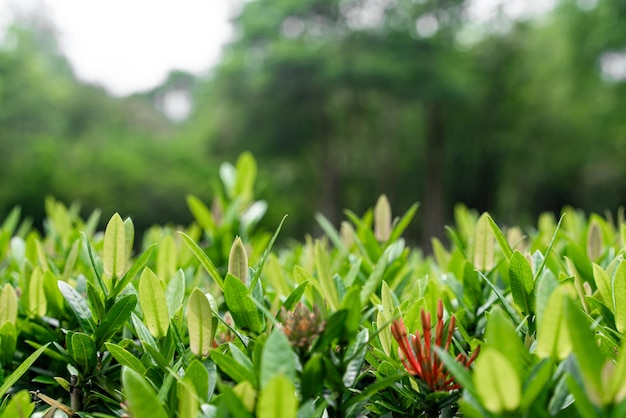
[(512, 107)]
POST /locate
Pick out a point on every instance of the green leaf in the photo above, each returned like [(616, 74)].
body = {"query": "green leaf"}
[(331, 232), (153, 304), (125, 358), (583, 403), (483, 245), (616, 392), (12, 379), (79, 307), (115, 318), (233, 369), (37, 303), (295, 296), (312, 379), (200, 323), (588, 355), (141, 396), (594, 240), (188, 405), (603, 284), (538, 378), (266, 253), (246, 176), (238, 260), (324, 275), (277, 358), (356, 353), (403, 223), (545, 285), (502, 241), (8, 305), (8, 343), (277, 399), (382, 219), (198, 376), (502, 336), (201, 213), (132, 271), (84, 352), (21, 405), (175, 292), (522, 285), (114, 255), (204, 260), (374, 279), (553, 338), (167, 257), (619, 297), (241, 307), (496, 382)]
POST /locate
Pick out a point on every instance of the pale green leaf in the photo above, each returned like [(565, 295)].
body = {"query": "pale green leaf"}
[(37, 303), (153, 304), (483, 245), (324, 275), (553, 338), (277, 399), (200, 323), (238, 260), (382, 219), (114, 254), (188, 405), (496, 382), (8, 305)]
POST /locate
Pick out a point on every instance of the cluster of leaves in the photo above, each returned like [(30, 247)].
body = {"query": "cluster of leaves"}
[(211, 321)]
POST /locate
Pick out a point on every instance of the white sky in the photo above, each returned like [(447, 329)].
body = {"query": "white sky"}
[(131, 45)]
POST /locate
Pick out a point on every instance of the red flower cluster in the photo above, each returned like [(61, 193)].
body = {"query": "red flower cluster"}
[(420, 358)]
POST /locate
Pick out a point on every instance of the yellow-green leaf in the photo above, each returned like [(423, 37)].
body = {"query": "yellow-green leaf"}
[(277, 399), (382, 219), (496, 382), (552, 335), (153, 304), (483, 244), (619, 297), (114, 255), (238, 260), (8, 305), (142, 399), (37, 303), (324, 276), (188, 405), (603, 284), (200, 323)]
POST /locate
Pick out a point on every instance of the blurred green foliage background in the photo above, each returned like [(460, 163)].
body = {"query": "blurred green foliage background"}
[(339, 101)]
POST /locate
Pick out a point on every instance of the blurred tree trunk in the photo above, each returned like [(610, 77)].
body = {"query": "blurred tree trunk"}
[(433, 189)]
